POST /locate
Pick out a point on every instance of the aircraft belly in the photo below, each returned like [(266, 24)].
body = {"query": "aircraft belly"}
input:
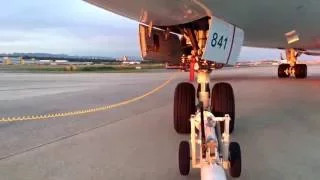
[(161, 13), (264, 22)]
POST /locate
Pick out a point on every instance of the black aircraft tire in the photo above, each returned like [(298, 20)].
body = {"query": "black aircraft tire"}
[(184, 158), (222, 103), (184, 106), (281, 70), (301, 71), (235, 159)]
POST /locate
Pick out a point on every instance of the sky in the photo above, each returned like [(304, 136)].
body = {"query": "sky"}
[(75, 27)]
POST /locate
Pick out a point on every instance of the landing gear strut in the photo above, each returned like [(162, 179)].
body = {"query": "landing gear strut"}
[(292, 68)]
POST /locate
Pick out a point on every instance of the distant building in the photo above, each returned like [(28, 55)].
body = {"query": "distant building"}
[(45, 62), (125, 58), (131, 62), (61, 62)]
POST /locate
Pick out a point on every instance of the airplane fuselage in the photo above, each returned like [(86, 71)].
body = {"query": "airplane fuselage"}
[(264, 22)]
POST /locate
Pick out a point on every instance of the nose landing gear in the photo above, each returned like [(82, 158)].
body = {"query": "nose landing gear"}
[(210, 125)]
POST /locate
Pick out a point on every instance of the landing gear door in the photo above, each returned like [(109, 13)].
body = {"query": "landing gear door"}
[(224, 42), (159, 46)]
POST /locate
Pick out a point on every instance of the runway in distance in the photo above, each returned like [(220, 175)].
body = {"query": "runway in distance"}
[(214, 31)]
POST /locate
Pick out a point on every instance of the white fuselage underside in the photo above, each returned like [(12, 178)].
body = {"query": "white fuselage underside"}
[(264, 22)]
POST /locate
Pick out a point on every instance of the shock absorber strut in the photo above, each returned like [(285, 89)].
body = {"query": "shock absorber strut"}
[(203, 90)]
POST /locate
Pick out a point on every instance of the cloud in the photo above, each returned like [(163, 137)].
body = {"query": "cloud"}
[(64, 26), (249, 53), (60, 40), (59, 13)]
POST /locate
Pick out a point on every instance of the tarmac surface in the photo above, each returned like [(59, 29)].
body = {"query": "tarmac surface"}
[(277, 126)]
